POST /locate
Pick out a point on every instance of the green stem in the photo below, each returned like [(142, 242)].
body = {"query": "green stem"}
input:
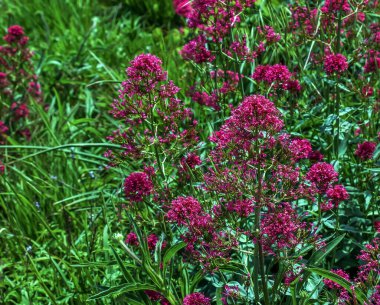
[(256, 257), (262, 272), (337, 91)]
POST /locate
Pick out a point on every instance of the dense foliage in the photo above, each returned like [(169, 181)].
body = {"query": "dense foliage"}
[(190, 152)]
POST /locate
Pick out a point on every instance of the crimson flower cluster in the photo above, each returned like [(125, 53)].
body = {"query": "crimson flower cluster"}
[(18, 83), (137, 186), (207, 239), (216, 18), (365, 150), (335, 64), (196, 298), (182, 7), (215, 25), (277, 76), (152, 117), (249, 143)]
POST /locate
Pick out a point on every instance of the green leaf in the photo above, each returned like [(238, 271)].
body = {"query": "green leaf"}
[(218, 296), (360, 296), (122, 289), (173, 251), (128, 277), (319, 255)]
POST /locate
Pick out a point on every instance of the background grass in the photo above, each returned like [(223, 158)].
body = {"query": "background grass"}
[(57, 201)]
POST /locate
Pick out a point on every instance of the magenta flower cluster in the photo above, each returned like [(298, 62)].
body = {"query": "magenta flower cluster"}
[(335, 64), (18, 83), (137, 186)]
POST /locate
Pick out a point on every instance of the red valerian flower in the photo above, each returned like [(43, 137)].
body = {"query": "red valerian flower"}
[(282, 229), (255, 112), (333, 6), (2, 167), (144, 72), (132, 239), (15, 34), (365, 150), (16, 30), (152, 241), (277, 76), (322, 175), (376, 224), (335, 63), (315, 156), (337, 194), (373, 62), (300, 149), (156, 296), (136, 186), (183, 7), (197, 51), (184, 210), (3, 128), (196, 298), (190, 161), (370, 257), (241, 207)]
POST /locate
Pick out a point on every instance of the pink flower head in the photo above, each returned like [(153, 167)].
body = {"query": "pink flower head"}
[(277, 73), (365, 150), (373, 62), (16, 30), (333, 6), (241, 207), (376, 224), (34, 89), (132, 239), (216, 18), (136, 186), (183, 210), (300, 149), (270, 35), (145, 71), (304, 19), (3, 128), (2, 167), (230, 292), (282, 229), (190, 161), (315, 156), (20, 111), (156, 296), (322, 175), (197, 51), (337, 194), (3, 80), (370, 257), (183, 7), (367, 91), (196, 298), (26, 133), (15, 34), (203, 98), (255, 114), (152, 241), (335, 63), (332, 285)]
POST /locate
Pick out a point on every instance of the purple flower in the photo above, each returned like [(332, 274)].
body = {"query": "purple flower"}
[(136, 186)]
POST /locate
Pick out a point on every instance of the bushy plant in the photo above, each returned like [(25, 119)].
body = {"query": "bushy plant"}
[(256, 209), (243, 169)]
